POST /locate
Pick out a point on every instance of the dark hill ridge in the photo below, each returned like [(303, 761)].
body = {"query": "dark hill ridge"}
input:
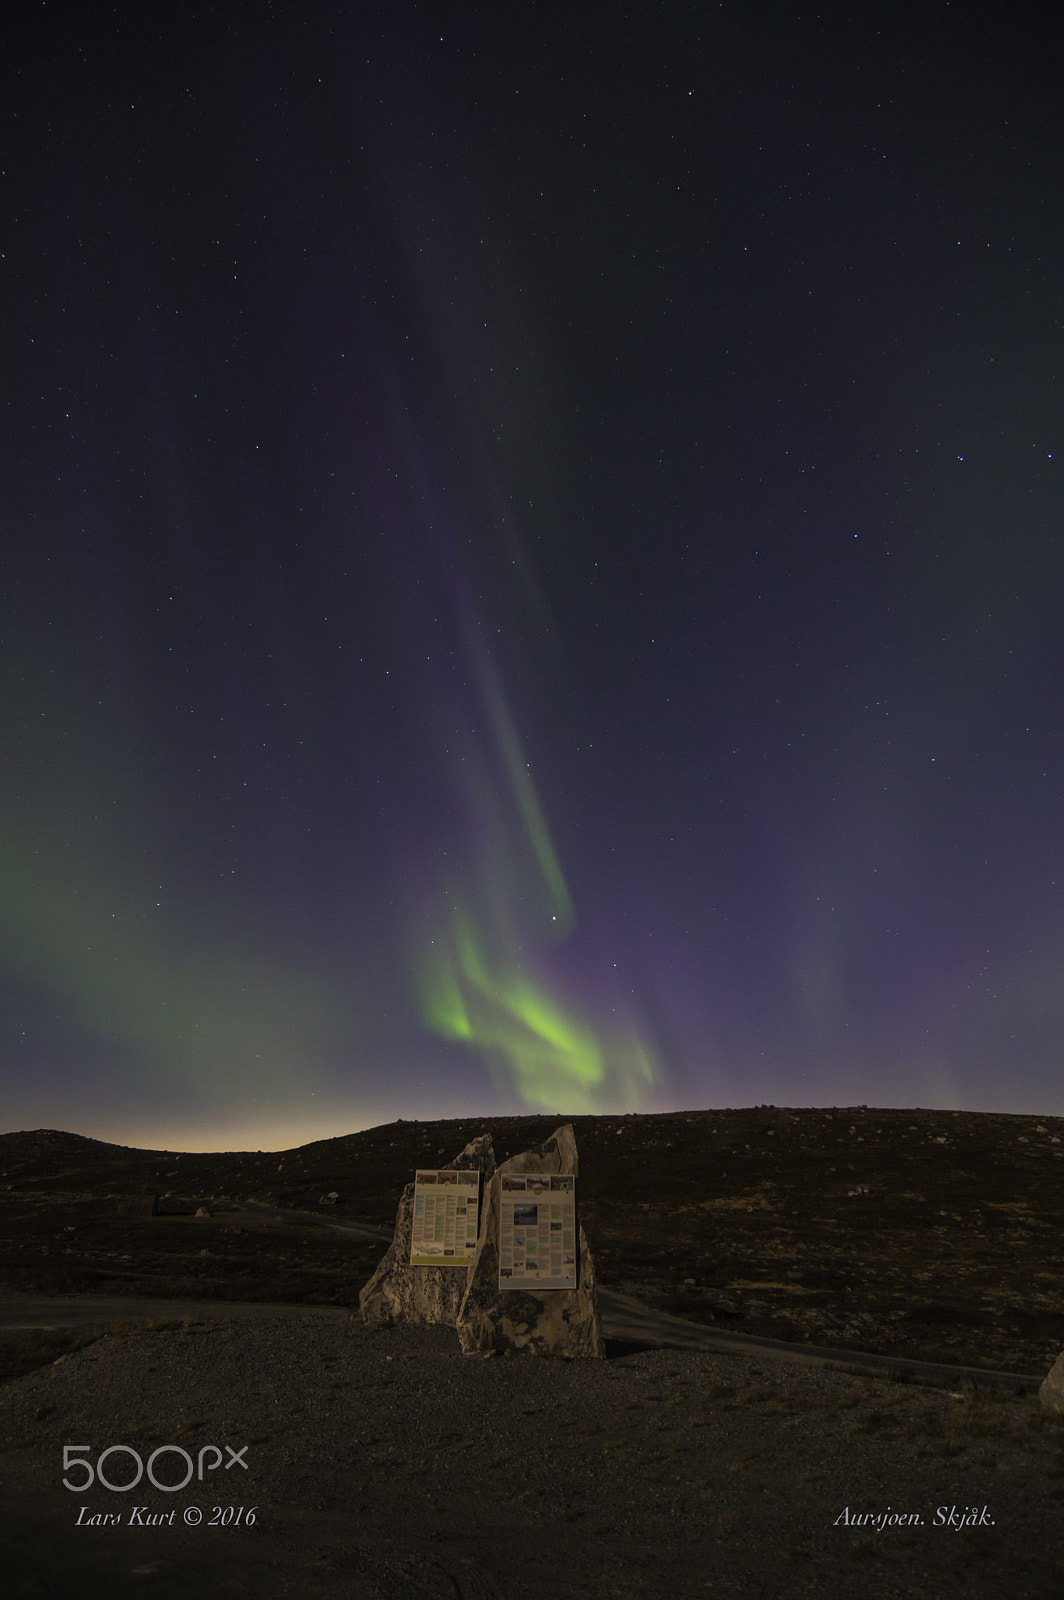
[(46, 1148), (928, 1234)]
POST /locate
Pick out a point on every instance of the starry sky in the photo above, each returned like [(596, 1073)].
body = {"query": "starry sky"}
[(533, 565)]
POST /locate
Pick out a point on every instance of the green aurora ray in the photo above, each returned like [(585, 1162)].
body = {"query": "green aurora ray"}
[(475, 976)]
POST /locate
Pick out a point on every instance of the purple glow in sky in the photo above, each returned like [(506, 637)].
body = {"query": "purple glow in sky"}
[(533, 568)]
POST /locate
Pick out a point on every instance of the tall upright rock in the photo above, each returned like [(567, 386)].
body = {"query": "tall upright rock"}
[(561, 1322), (1051, 1394), (398, 1292)]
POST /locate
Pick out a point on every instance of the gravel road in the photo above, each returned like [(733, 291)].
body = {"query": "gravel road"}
[(387, 1466), (624, 1320)]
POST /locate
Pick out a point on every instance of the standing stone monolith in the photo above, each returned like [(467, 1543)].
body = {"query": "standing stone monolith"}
[(1051, 1394), (562, 1322), (398, 1292)]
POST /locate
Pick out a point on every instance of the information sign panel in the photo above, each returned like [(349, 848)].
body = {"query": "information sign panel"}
[(446, 1217), (537, 1231)]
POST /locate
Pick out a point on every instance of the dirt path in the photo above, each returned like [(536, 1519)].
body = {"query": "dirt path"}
[(625, 1321), (26, 1312)]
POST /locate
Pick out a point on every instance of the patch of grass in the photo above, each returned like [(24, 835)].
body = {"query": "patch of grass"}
[(754, 1397), (873, 1421), (792, 1402), (975, 1414)]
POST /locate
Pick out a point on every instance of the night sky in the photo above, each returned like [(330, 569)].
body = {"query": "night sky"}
[(533, 562)]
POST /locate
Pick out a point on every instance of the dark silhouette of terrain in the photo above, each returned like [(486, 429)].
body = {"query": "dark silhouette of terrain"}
[(930, 1235)]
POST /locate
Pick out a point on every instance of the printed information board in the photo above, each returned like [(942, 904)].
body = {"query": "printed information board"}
[(537, 1232), (446, 1215)]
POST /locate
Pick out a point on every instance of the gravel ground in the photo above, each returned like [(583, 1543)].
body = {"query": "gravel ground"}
[(387, 1466)]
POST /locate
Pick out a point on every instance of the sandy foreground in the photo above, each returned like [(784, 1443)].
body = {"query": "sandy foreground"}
[(387, 1466)]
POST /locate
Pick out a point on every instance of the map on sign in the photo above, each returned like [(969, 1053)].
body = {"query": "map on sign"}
[(446, 1217), (537, 1231)]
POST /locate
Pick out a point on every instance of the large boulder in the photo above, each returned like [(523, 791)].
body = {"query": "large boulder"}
[(1051, 1394), (561, 1322), (398, 1292)]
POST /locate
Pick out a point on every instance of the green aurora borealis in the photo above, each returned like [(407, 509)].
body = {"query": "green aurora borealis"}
[(534, 560)]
